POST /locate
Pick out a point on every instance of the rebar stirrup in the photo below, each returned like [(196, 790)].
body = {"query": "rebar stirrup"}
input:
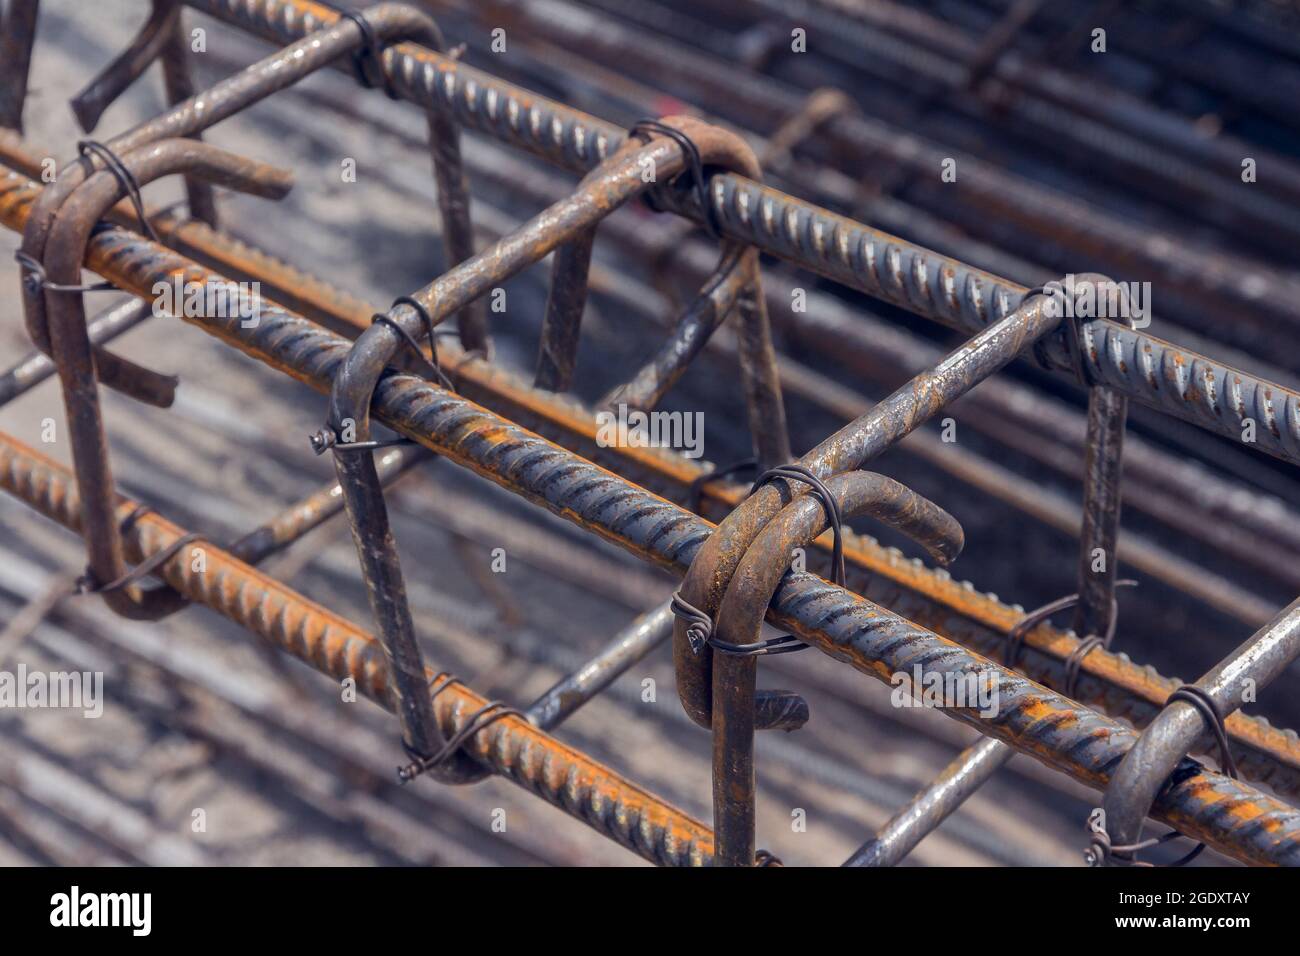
[(1101, 851), (700, 627)]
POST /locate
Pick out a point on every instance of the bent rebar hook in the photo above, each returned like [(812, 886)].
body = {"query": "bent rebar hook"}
[(898, 415), (161, 38), (617, 180), (1174, 732), (112, 81), (278, 71), (73, 353), (740, 620)]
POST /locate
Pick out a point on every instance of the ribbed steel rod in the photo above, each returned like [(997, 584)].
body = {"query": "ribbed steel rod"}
[(512, 747), (1192, 387), (930, 598), (984, 197), (1229, 815), (1164, 744), (73, 351), (905, 410), (862, 332)]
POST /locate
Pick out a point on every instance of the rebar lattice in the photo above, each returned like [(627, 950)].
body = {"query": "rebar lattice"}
[(1064, 699)]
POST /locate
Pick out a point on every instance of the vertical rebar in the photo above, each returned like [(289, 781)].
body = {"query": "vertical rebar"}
[(178, 82), (19, 29), (457, 225), (558, 352), (1099, 534)]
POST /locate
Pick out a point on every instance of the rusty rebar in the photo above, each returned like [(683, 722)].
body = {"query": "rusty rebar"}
[(849, 448), (930, 401), (954, 608), (1159, 757), (740, 620), (200, 112), (1206, 393), (349, 422), (73, 357), (566, 224), (513, 748), (660, 373), (1084, 744)]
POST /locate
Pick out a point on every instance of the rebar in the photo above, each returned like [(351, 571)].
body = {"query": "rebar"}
[(72, 347), (1165, 742), (200, 112), (740, 621), (512, 747), (1256, 828), (911, 622), (1192, 387), (931, 599)]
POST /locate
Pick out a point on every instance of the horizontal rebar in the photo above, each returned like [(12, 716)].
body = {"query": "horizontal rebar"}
[(512, 746), (1234, 818), (1189, 386), (928, 597)]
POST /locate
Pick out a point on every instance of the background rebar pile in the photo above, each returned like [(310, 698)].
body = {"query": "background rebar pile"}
[(1067, 160)]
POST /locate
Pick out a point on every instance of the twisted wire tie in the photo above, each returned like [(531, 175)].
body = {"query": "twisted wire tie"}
[(327, 437), (1074, 663), (699, 626), (370, 50), (643, 129), (1101, 851), (86, 584), (481, 719)]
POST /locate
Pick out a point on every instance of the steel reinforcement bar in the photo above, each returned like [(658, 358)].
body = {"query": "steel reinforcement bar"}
[(1147, 369), (511, 746), (1234, 818), (929, 597)]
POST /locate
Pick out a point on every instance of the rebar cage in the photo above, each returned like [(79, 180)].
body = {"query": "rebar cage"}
[(402, 390)]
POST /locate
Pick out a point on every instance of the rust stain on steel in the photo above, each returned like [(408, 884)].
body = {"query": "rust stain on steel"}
[(928, 597), (420, 411), (66, 318), (514, 748)]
